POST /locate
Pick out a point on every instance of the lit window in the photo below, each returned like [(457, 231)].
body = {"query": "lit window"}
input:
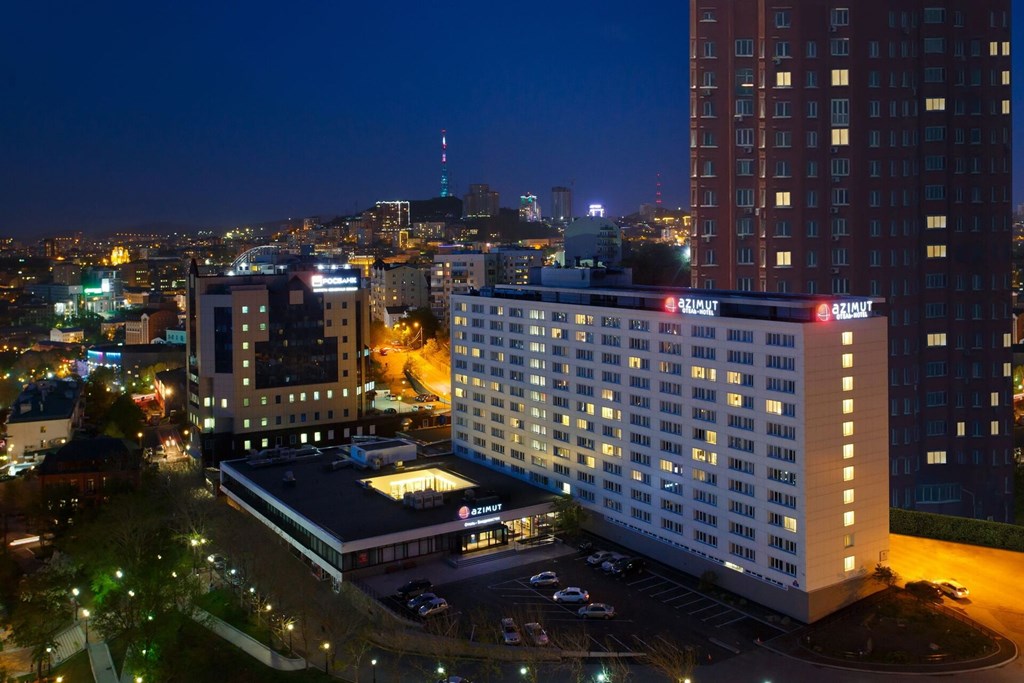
[(784, 258), (245, 309), (848, 541), (848, 473), (993, 48), (245, 327), (847, 406), (848, 428), (936, 251), (961, 428), (773, 407), (936, 457), (994, 427), (935, 104), (840, 77), (783, 79), (937, 339), (783, 199), (849, 563), (847, 451), (245, 346), (847, 360), (840, 136), (1006, 78), (789, 523), (1006, 48), (994, 398), (936, 222), (847, 384), (847, 338), (848, 496), (1006, 106), (848, 518), (245, 381)]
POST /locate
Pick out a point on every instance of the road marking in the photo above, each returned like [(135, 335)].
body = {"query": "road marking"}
[(668, 590), (732, 621), (625, 648), (698, 611), (681, 596), (699, 598), (715, 616)]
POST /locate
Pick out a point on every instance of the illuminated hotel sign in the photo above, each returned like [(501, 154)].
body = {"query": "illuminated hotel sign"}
[(479, 522), (348, 282), (689, 305), (844, 310), (465, 512)]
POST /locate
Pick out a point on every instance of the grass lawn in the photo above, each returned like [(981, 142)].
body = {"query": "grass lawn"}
[(897, 628), (74, 669), (224, 604)]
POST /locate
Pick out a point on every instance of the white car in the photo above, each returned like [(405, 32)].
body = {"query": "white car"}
[(510, 632), (544, 579), (571, 594), (597, 558), (952, 588), (536, 634), (434, 607), (597, 610)]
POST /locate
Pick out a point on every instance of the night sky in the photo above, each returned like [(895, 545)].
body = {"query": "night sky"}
[(119, 114)]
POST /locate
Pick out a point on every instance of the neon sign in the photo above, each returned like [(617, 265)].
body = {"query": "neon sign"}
[(843, 310), (689, 305), (465, 511), (334, 283)]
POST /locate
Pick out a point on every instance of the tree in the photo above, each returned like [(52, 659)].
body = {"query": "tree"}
[(100, 392), (124, 419), (886, 575), (675, 660), (569, 515), (45, 606)]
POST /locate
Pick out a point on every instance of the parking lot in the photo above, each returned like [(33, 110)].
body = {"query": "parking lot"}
[(656, 606)]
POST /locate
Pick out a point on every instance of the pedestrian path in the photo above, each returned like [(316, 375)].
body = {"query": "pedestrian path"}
[(67, 643), (102, 663)]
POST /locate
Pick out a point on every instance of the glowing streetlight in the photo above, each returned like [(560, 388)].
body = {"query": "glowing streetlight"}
[(327, 648), (373, 663), (85, 615)]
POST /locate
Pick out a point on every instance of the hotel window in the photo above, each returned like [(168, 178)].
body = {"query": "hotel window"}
[(994, 398), (848, 496), (783, 79), (783, 199), (936, 222), (848, 518), (847, 338), (848, 384), (937, 339), (847, 451), (847, 406), (935, 104), (848, 428), (840, 136), (936, 457), (847, 360), (994, 427), (245, 309), (840, 77), (936, 251), (849, 563), (848, 473)]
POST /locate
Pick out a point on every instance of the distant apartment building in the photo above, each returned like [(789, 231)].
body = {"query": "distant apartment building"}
[(481, 202), (865, 148), (276, 360), (397, 285), (529, 209), (459, 272), (156, 273), (745, 435), (429, 230), (89, 471), (68, 335), (44, 416), (561, 204)]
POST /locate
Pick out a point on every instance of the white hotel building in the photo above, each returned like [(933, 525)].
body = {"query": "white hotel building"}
[(739, 433)]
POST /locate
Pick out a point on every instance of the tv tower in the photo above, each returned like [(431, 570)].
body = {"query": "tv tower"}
[(657, 192), (444, 164)]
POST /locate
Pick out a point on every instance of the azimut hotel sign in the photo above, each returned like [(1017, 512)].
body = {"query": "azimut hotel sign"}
[(692, 305)]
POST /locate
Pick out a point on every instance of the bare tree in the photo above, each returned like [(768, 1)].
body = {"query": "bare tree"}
[(574, 643), (677, 661)]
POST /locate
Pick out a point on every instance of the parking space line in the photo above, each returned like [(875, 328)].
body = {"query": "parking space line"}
[(686, 604), (641, 580), (702, 609), (668, 590), (741, 617), (625, 648), (600, 646), (715, 616), (681, 596)]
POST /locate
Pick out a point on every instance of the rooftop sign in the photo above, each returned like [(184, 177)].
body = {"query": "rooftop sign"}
[(691, 305), (844, 310), (349, 282)]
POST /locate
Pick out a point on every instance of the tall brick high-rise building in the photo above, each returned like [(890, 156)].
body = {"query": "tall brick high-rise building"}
[(865, 148)]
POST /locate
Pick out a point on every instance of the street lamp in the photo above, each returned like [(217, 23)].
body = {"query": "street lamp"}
[(373, 663), (327, 648), (291, 627), (85, 615), (140, 439)]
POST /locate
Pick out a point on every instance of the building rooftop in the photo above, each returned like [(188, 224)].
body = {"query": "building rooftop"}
[(45, 400), (100, 454), (338, 502)]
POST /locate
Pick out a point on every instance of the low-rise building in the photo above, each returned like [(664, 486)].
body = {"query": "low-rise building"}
[(44, 416), (88, 471)]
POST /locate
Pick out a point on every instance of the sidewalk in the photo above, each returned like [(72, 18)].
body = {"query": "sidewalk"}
[(102, 663)]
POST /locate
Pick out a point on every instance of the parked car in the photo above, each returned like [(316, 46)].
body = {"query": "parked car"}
[(629, 566), (423, 598), (925, 590), (544, 579), (413, 588), (571, 594), (510, 632), (434, 607), (585, 547), (609, 562), (952, 588), (390, 411), (598, 557), (536, 634), (596, 610), (454, 679)]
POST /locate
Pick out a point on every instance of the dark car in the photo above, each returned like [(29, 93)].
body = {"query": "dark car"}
[(629, 566), (413, 588), (925, 590), (390, 411)]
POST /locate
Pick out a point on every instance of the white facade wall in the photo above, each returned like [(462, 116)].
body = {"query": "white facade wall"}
[(725, 438)]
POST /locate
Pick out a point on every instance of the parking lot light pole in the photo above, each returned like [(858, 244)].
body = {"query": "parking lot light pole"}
[(327, 649), (373, 663)]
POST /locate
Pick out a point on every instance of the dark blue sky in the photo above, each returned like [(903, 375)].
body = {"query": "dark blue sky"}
[(115, 114)]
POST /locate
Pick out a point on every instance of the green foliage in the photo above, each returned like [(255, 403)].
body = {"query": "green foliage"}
[(656, 263), (45, 605), (100, 392), (570, 515), (956, 529), (426, 320), (124, 419)]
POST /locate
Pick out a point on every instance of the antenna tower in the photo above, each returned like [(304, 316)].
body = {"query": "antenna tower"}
[(444, 163), (657, 192)]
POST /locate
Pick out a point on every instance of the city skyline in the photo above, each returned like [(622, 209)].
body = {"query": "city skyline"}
[(132, 115)]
